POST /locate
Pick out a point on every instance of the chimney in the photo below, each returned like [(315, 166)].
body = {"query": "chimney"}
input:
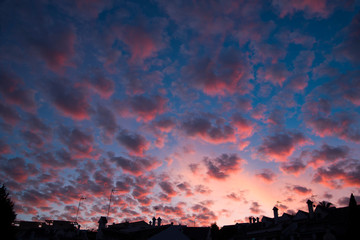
[(310, 207), (276, 214), (102, 222)]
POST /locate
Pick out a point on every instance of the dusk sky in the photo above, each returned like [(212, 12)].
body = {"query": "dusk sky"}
[(196, 111)]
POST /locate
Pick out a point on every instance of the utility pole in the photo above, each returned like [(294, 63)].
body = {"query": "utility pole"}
[(112, 191), (77, 212)]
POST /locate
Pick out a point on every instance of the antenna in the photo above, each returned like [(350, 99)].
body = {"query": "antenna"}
[(112, 191), (77, 212)]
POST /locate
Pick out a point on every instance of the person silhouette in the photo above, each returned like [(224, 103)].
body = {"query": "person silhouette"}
[(154, 221), (159, 221)]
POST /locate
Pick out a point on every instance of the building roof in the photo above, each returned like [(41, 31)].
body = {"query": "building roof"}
[(197, 233), (172, 233)]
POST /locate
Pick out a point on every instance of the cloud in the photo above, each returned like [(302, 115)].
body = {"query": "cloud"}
[(32, 139), (105, 119), (71, 101), (143, 40), (60, 160), (341, 173), (203, 128), (9, 115), (17, 169), (267, 175), (311, 9), (11, 91), (136, 166), (237, 197), (168, 188), (133, 142), (244, 126), (142, 107), (350, 47), (4, 148), (202, 189), (56, 47), (102, 85), (276, 117), (227, 74), (244, 104), (148, 107), (80, 144), (255, 208), (301, 190), (274, 73), (281, 145), (194, 167), (220, 167), (329, 154), (35, 124), (165, 124), (185, 187), (344, 201), (293, 167), (342, 124)]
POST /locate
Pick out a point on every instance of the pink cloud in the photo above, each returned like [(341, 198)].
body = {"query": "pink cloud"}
[(266, 175), (102, 85), (275, 73), (259, 111), (227, 74), (281, 145), (143, 40), (9, 115), (4, 148), (17, 169), (33, 139), (342, 124), (142, 107), (221, 167), (328, 154), (255, 208), (80, 144), (56, 47), (164, 124), (168, 189), (213, 133), (341, 173), (136, 166), (105, 119), (287, 37), (10, 88), (317, 8), (185, 187), (133, 142), (301, 190), (350, 47), (147, 108), (72, 102), (244, 126), (267, 52), (293, 167)]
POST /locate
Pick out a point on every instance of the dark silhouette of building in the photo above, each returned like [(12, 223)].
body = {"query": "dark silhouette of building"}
[(321, 223)]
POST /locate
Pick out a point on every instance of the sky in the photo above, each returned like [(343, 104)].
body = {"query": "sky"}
[(193, 111)]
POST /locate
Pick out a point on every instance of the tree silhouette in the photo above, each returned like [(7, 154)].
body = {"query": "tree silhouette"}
[(325, 204), (8, 215)]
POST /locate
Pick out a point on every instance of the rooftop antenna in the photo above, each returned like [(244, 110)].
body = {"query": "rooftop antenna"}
[(112, 191), (77, 212)]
